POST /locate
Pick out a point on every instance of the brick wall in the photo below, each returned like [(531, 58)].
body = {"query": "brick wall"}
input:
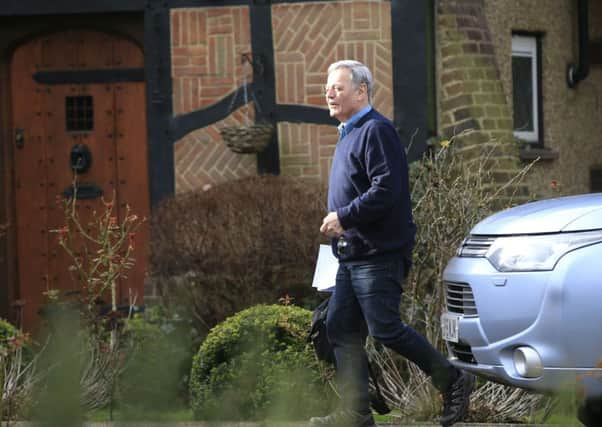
[(207, 44), (307, 39), (471, 95)]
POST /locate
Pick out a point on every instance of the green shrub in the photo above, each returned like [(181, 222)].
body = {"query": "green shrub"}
[(451, 192), (7, 331), (241, 243), (12, 339), (156, 359), (257, 365)]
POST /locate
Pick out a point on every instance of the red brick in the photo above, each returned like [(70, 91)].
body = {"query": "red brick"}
[(198, 60), (214, 91), (190, 50), (177, 61), (315, 79), (280, 90), (189, 71), (359, 51), (185, 95), (192, 27), (347, 11), (299, 71), (175, 29), (176, 97), (202, 25), (196, 94), (290, 82), (326, 150), (289, 56), (316, 100), (216, 81), (310, 171), (184, 28), (213, 132), (374, 15), (363, 24), (213, 51), (214, 12), (360, 11), (317, 90), (220, 29)]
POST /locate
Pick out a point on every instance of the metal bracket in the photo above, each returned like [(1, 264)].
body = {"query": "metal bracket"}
[(256, 62), (19, 138)]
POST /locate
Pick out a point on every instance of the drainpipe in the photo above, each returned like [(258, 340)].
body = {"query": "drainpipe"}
[(576, 73)]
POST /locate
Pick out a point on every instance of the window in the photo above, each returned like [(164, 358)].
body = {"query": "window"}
[(526, 87), (79, 112)]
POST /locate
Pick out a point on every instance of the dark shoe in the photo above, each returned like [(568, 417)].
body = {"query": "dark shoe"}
[(456, 399), (343, 419)]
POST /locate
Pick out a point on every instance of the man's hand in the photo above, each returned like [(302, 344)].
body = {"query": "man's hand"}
[(331, 226)]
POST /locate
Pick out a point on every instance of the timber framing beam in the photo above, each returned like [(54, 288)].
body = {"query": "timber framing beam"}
[(409, 61)]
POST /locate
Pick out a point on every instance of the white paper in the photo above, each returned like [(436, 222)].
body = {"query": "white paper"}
[(326, 270)]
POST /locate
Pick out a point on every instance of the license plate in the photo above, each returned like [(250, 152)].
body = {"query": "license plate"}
[(449, 326)]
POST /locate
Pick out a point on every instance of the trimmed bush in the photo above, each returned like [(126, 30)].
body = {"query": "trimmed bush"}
[(239, 244), (257, 365), (156, 356)]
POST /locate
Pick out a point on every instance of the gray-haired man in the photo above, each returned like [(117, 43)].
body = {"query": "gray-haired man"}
[(372, 231)]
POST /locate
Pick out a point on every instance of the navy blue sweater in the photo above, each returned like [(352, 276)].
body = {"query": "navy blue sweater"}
[(369, 190)]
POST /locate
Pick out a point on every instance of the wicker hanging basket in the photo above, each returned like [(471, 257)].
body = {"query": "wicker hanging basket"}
[(249, 137), (245, 139)]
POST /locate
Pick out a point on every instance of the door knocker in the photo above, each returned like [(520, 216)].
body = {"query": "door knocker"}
[(80, 158)]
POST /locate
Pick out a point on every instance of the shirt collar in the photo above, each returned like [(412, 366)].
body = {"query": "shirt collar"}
[(355, 118)]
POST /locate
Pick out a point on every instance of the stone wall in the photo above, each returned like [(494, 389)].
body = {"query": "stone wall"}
[(473, 109), (475, 86), (571, 117)]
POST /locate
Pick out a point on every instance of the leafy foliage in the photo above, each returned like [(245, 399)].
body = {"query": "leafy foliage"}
[(241, 243), (156, 357), (450, 194), (16, 361), (257, 364)]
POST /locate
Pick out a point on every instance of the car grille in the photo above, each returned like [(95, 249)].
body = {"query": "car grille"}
[(460, 299), (462, 351), (475, 246)]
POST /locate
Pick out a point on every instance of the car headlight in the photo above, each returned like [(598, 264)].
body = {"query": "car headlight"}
[(537, 253)]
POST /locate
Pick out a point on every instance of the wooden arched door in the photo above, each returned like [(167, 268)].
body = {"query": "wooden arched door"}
[(71, 89)]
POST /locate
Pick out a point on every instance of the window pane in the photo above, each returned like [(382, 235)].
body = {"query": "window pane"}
[(79, 113), (522, 83)]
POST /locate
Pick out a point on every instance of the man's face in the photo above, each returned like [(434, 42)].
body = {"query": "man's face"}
[(342, 98)]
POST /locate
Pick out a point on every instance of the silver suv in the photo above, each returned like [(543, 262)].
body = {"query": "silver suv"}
[(524, 297)]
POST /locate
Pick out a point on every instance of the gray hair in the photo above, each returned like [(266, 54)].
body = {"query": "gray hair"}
[(359, 74)]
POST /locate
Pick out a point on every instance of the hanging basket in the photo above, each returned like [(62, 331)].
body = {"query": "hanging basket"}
[(247, 139)]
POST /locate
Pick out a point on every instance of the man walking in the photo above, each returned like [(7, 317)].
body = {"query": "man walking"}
[(372, 230)]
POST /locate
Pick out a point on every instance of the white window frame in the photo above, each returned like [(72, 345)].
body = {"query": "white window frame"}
[(526, 46)]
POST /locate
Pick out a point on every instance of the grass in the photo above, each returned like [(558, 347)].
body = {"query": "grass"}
[(102, 415), (184, 414)]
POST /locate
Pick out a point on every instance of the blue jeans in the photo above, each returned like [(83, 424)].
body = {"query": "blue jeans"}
[(366, 301)]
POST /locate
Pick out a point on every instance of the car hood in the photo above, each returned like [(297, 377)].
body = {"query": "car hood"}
[(572, 213)]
